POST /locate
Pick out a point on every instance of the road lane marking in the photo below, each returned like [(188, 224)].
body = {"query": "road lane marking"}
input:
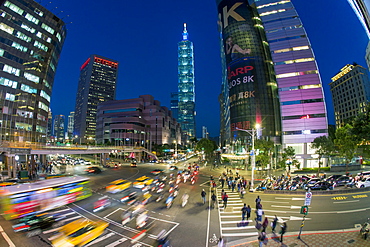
[(6, 237), (282, 206), (347, 201), (100, 239), (119, 241), (243, 234), (237, 228)]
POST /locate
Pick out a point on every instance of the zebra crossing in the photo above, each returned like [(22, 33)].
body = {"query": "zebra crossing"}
[(231, 216), (109, 238)]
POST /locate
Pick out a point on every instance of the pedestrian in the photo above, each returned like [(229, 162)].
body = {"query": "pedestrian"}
[(273, 223), (213, 198), (232, 186), (242, 192), (203, 194), (221, 242), (244, 211), (265, 224), (258, 201), (261, 238), (222, 180), (224, 199), (259, 213), (282, 231), (249, 210)]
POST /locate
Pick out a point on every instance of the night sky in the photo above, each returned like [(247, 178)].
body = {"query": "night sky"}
[(143, 35)]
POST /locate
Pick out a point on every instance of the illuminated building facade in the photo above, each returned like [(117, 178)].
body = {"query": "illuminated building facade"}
[(249, 92), (97, 83), (59, 122), (302, 103), (140, 122), (70, 125), (186, 88), (362, 10), (350, 90), (31, 40), (175, 104)]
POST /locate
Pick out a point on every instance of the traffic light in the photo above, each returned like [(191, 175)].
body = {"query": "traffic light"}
[(304, 210)]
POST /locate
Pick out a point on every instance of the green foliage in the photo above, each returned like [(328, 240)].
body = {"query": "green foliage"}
[(206, 145), (346, 143), (306, 169), (266, 148), (361, 125), (324, 147)]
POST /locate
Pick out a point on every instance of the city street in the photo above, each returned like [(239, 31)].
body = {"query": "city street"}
[(196, 223)]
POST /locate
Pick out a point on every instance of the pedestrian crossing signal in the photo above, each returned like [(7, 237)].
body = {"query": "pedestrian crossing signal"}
[(304, 210)]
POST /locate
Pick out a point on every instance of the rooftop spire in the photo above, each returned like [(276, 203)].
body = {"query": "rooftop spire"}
[(184, 33)]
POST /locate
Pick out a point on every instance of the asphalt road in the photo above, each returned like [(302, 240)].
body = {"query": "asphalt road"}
[(196, 223)]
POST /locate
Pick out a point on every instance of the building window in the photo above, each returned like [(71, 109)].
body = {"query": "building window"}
[(11, 70), (19, 47), (6, 28), (47, 28), (31, 77), (39, 12), (43, 106), (9, 96), (45, 95), (22, 36), (40, 45), (31, 18), (8, 83), (14, 7), (28, 89)]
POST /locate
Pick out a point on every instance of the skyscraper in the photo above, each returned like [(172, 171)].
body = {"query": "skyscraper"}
[(186, 93), (31, 40), (59, 122), (301, 95), (350, 90), (175, 104), (70, 125), (249, 92), (97, 83), (362, 10)]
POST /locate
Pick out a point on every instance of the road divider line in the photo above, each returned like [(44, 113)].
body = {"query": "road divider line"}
[(6, 237), (100, 239)]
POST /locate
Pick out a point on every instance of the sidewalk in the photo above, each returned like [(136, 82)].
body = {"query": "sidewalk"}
[(339, 238)]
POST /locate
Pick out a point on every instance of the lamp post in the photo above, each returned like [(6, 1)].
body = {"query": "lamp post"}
[(252, 133)]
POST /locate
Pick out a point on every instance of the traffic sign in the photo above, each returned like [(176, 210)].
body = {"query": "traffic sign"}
[(304, 210), (308, 198)]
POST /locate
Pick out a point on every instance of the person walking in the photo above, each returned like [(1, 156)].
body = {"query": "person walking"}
[(222, 180), (258, 202), (213, 198), (265, 224), (249, 210), (242, 192), (244, 211), (203, 194), (282, 231), (273, 224), (259, 213), (224, 199), (233, 186)]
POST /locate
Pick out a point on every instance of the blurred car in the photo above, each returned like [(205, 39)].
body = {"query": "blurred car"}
[(133, 164), (143, 181), (172, 168), (129, 198), (79, 233), (333, 177), (156, 171), (311, 182), (33, 224), (363, 183), (118, 186), (93, 169), (321, 185), (342, 180)]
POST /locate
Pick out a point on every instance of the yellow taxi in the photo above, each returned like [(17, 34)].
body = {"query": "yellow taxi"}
[(143, 181), (78, 233), (118, 186)]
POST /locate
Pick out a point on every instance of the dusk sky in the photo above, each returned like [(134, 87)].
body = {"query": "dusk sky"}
[(143, 35)]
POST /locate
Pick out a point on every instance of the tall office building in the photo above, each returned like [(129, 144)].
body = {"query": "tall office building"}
[(31, 40), (186, 93), (301, 95), (70, 125), (59, 122), (350, 90), (249, 92), (362, 10), (97, 83)]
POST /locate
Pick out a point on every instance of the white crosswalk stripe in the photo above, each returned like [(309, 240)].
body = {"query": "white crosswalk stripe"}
[(232, 216)]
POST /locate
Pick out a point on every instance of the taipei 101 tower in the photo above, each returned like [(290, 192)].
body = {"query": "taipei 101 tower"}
[(186, 94)]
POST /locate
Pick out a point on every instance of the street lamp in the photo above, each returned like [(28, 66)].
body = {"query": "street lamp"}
[(252, 133)]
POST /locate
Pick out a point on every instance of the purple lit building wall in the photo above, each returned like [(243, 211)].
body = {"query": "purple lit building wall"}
[(303, 109)]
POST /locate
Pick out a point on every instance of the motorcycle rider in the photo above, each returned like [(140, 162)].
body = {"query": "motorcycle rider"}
[(185, 198)]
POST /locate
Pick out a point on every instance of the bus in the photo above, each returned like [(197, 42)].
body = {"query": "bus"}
[(32, 198)]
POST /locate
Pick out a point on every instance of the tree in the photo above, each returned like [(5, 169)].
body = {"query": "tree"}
[(266, 148), (288, 154), (346, 143), (361, 125), (207, 146), (324, 147)]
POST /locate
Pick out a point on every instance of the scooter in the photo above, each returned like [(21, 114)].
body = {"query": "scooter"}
[(101, 204), (365, 229)]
